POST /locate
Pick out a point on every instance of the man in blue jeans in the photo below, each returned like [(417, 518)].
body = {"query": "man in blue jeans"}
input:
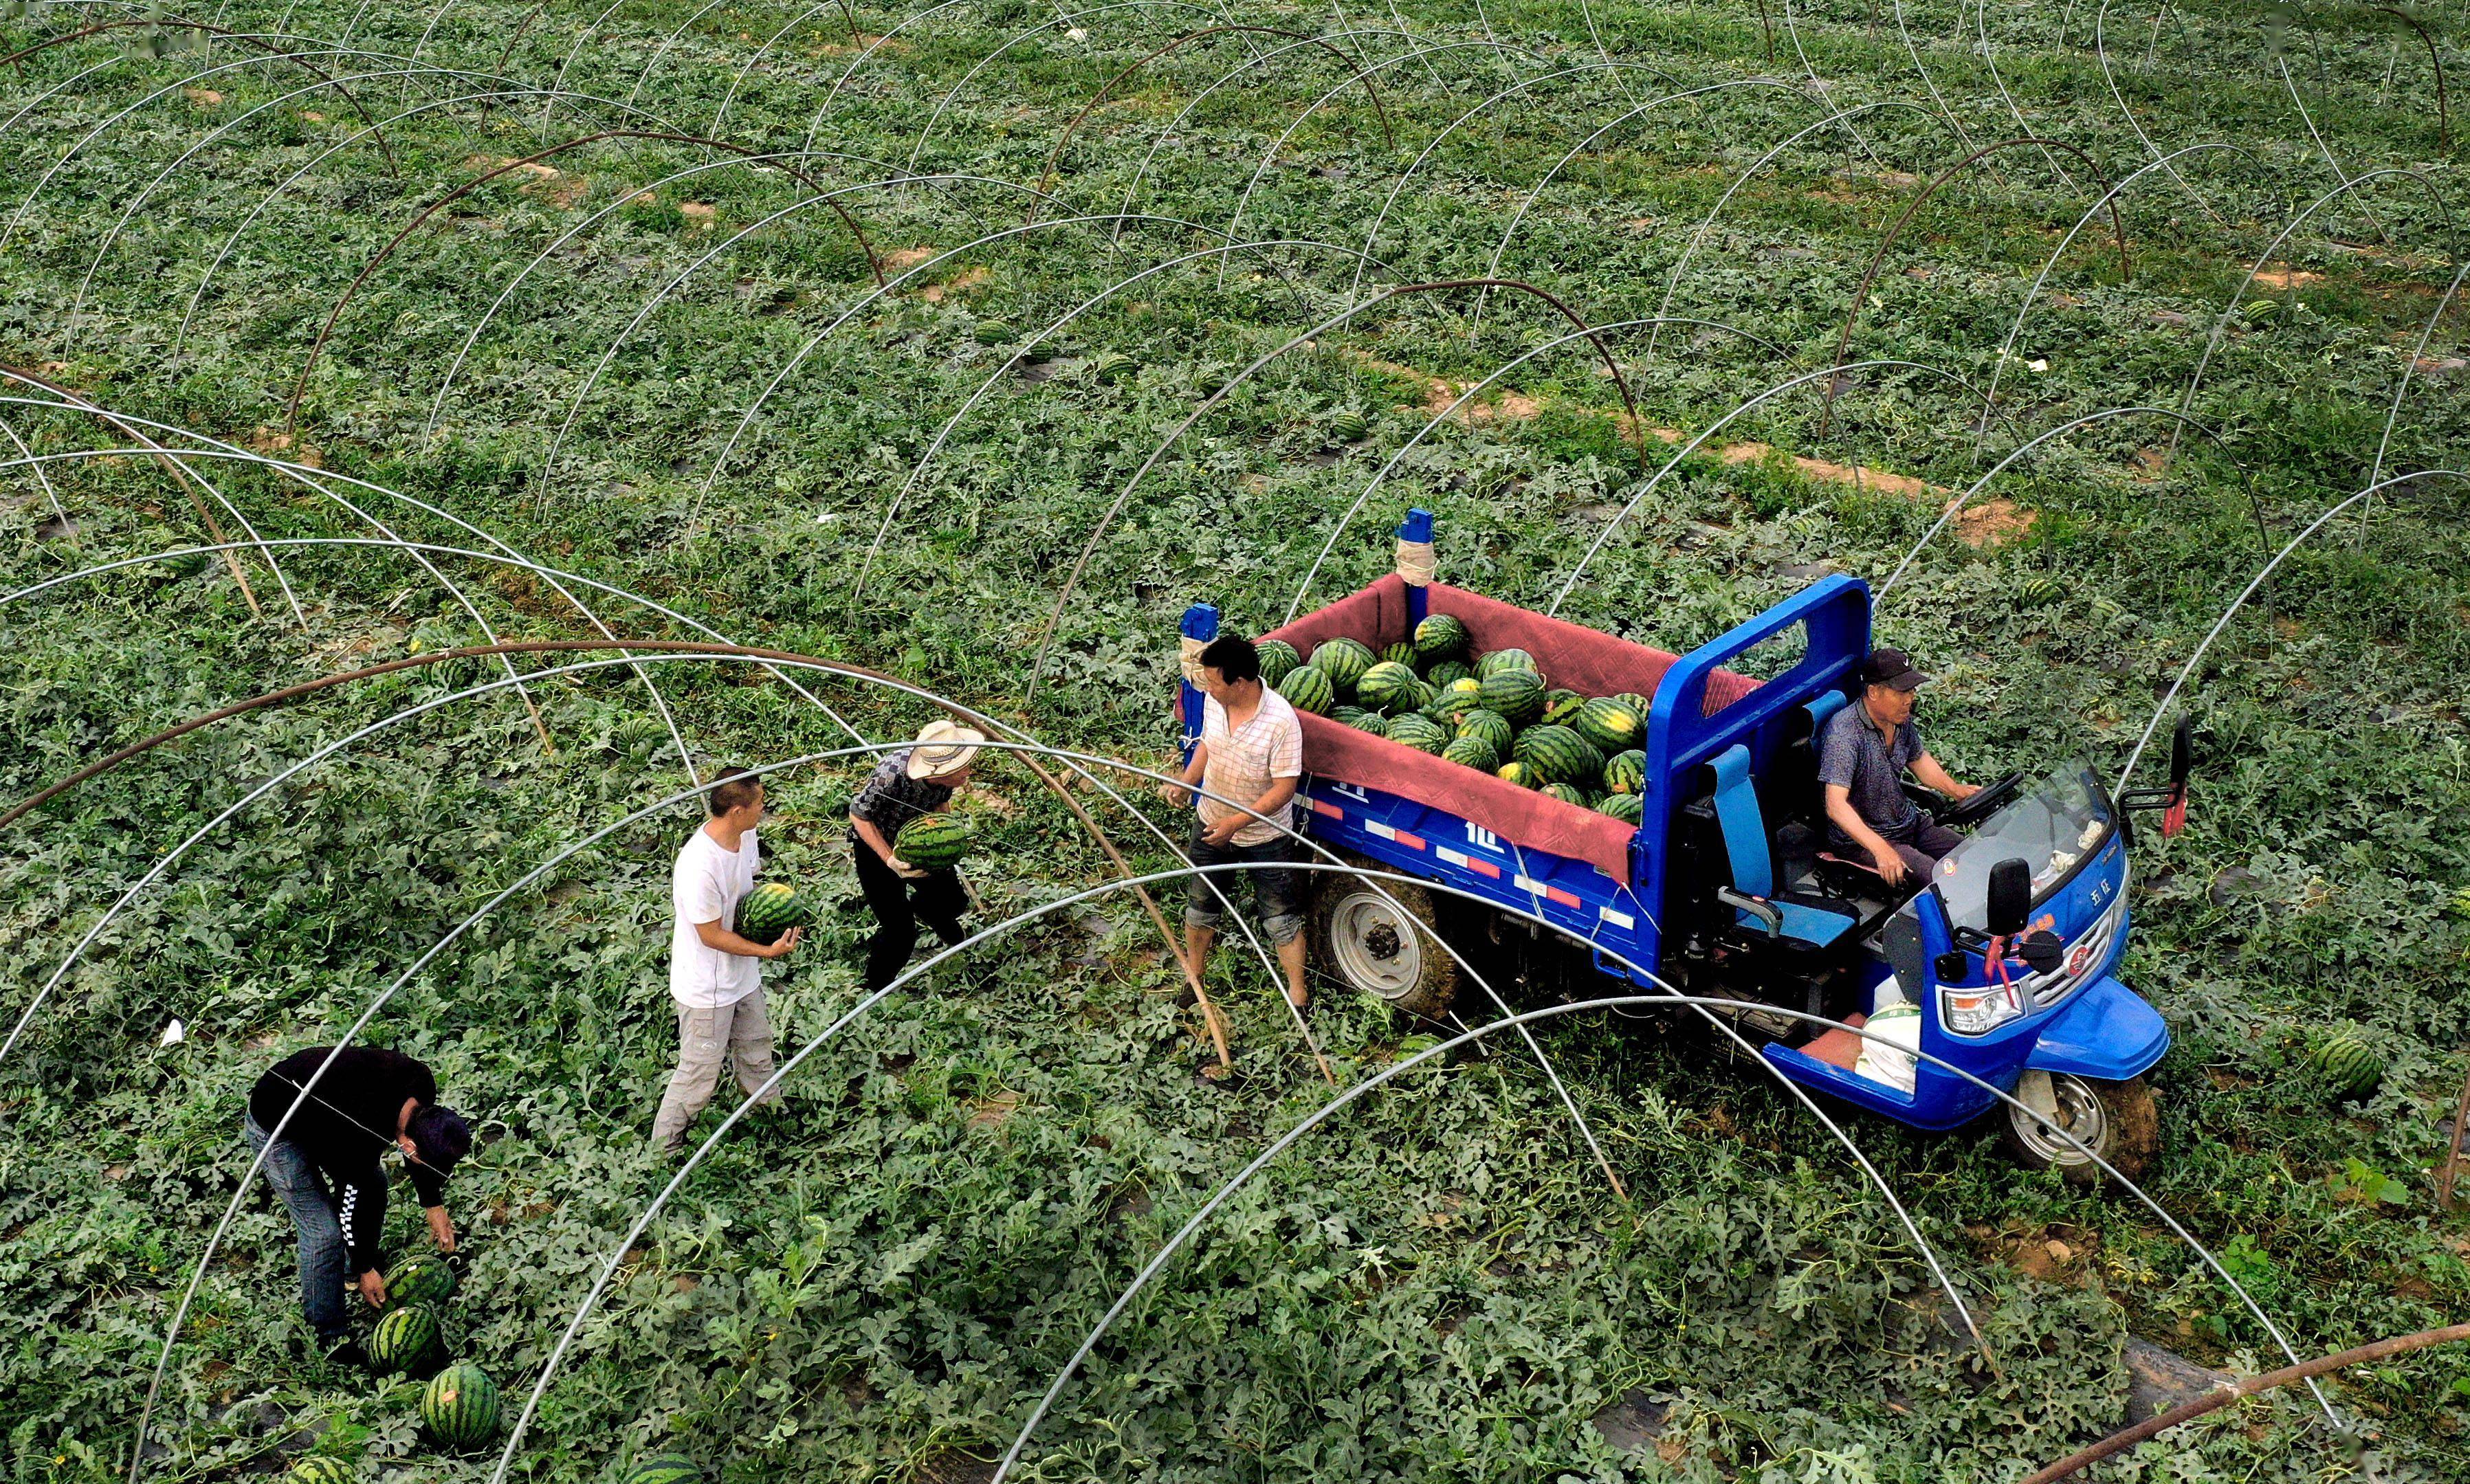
[(326, 1167)]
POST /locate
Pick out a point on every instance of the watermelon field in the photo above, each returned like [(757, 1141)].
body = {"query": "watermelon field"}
[(941, 354)]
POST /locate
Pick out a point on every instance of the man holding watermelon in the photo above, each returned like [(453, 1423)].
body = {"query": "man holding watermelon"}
[(910, 784), (715, 971), (1250, 752), (322, 1144)]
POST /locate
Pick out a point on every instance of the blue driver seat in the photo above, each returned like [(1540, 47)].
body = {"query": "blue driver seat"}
[(1789, 915)]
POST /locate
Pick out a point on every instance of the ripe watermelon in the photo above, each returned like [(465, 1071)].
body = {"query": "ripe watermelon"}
[(1400, 653), (426, 1280), (1448, 670), (774, 908), (1623, 807), (1343, 661), (1387, 687), (185, 566), (407, 1339), (1350, 715), (1278, 659), (459, 1406), (1451, 706), (1423, 736), (319, 1468), (1492, 726), (1625, 773), (932, 841), (1497, 660), (1561, 707), (1559, 754), (2349, 1063), (1424, 694), (1610, 725), (1563, 793), (1441, 637), (1113, 366), (1372, 721), (1471, 753), (1633, 700), (1513, 693), (664, 1469), (1308, 688), (1348, 426), (1517, 773)]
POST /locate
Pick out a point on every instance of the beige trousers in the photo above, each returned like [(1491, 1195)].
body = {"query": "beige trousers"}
[(739, 1034)]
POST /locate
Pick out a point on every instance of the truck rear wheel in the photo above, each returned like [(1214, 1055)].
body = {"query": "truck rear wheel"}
[(2118, 1120), (1361, 937)]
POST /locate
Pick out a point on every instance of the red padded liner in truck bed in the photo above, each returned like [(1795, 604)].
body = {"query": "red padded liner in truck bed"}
[(1583, 659)]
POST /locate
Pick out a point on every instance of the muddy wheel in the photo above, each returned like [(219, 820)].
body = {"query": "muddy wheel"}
[(2118, 1120), (1361, 938)]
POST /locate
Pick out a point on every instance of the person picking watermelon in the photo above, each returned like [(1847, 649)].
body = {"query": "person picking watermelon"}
[(909, 785), (1251, 751), (715, 974), (324, 1165)]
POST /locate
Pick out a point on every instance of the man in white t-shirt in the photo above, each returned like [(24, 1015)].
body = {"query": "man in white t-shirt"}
[(713, 974), (1252, 753)]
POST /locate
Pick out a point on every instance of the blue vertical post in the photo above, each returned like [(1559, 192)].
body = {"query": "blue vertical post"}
[(1199, 622), (1417, 528)]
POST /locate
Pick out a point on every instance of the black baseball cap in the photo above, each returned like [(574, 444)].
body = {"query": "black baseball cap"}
[(1892, 668)]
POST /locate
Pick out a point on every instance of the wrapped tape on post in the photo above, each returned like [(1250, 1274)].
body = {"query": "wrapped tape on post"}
[(1416, 563), (1188, 656)]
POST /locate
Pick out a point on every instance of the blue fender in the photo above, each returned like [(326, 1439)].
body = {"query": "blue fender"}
[(2106, 1032)]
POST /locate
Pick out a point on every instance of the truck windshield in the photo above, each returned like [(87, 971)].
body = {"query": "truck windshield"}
[(2054, 824)]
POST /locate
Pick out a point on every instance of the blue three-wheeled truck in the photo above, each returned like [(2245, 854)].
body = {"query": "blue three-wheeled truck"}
[(2002, 964)]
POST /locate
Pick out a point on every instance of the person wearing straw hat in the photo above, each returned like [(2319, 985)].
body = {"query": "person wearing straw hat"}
[(917, 779)]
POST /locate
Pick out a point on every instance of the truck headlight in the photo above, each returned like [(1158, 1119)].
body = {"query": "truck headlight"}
[(1978, 1010)]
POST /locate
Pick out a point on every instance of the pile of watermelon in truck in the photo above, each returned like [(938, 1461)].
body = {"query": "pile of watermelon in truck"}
[(1697, 854)]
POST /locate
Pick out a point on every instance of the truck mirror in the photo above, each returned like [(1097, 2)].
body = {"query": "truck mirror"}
[(2010, 896), (2182, 752)]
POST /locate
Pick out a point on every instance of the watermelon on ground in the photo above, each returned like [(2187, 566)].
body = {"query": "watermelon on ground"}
[(932, 841), (1348, 426), (421, 1280), (1278, 659), (1388, 686), (459, 1406), (664, 1469), (1610, 725), (1470, 752), (1513, 693), (2349, 1063), (1494, 661), (1441, 637), (407, 1339), (181, 567), (1343, 661), (1309, 689), (319, 1468)]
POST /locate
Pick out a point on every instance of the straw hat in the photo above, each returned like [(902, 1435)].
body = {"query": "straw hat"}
[(943, 746)]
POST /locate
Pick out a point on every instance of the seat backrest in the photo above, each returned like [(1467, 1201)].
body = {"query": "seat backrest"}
[(1793, 791), (1743, 822)]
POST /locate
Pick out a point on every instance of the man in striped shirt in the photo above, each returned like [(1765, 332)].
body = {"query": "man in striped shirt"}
[(1250, 752)]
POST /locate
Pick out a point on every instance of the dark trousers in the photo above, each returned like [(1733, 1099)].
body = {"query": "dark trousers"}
[(899, 905)]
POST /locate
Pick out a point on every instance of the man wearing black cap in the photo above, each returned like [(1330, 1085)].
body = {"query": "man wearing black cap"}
[(324, 1164), (1862, 756)]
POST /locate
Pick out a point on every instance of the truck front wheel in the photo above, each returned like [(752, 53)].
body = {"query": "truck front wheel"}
[(1377, 937), (2118, 1120)]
